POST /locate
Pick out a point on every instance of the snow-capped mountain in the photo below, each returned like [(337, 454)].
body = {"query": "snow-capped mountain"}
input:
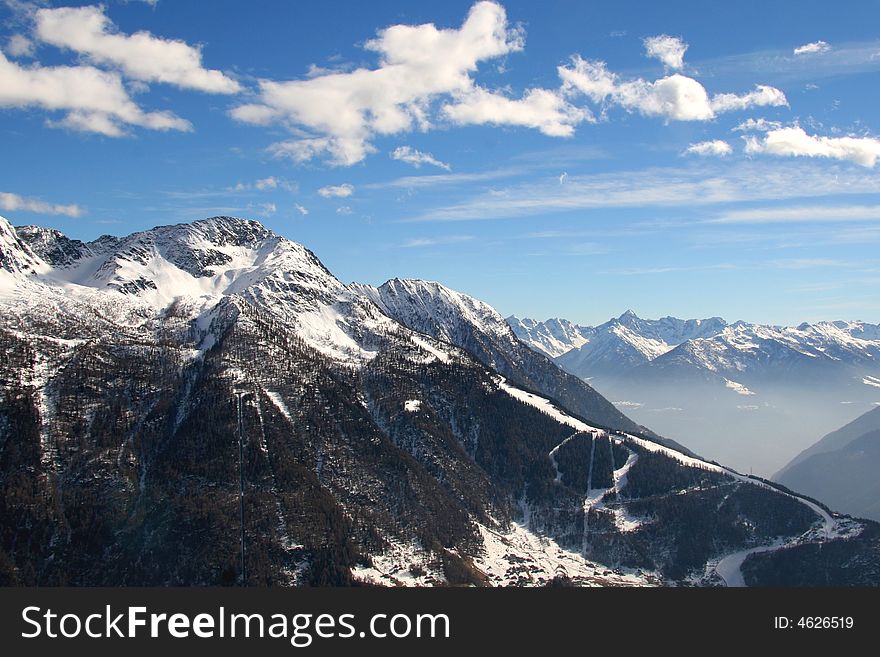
[(417, 451), (552, 337), (709, 344), (622, 342), (771, 386), (475, 326)]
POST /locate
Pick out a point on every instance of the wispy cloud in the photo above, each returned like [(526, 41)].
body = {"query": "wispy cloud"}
[(448, 179), (715, 147), (668, 269), (266, 184), (666, 187), (337, 191), (799, 214), (417, 158), (810, 263), (15, 203), (419, 242), (812, 48)]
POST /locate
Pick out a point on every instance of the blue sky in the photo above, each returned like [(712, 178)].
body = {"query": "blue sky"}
[(569, 159)]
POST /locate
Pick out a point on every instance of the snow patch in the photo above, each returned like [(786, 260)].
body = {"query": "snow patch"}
[(519, 557), (543, 405), (443, 357), (412, 405), (276, 399), (738, 388)]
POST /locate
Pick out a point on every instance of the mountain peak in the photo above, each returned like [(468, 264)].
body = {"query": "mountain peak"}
[(628, 317), (16, 256)]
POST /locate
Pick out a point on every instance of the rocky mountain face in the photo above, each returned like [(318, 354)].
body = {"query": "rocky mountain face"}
[(382, 442), (433, 309), (746, 394)]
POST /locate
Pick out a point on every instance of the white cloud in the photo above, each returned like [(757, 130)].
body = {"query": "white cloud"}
[(715, 147), (812, 48), (264, 209), (345, 210), (686, 187), (417, 64), (794, 141), (266, 183), (436, 241), (337, 191), (142, 56), (96, 101), (299, 208), (668, 49), (20, 46), (15, 203), (542, 109), (757, 125), (675, 97), (761, 96), (417, 158), (800, 214)]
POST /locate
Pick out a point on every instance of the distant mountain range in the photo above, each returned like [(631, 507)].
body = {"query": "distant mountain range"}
[(746, 394), (392, 435), (842, 468)]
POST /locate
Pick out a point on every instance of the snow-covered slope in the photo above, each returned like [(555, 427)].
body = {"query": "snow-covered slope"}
[(190, 268), (711, 345), (438, 449), (475, 326), (552, 337)]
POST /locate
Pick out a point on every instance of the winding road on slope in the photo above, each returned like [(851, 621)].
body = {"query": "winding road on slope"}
[(729, 569)]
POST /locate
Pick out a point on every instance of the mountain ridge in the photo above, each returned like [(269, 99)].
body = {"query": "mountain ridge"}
[(371, 452)]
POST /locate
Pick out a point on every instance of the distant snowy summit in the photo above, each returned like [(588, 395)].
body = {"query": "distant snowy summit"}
[(708, 345)]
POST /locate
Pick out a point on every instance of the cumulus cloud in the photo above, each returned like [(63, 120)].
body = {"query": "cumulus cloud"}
[(337, 191), (417, 158), (714, 147), (542, 109), (141, 56), (95, 100), (20, 46), (812, 48), (668, 49), (675, 97), (417, 65), (425, 74), (14, 203), (761, 96), (794, 141)]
